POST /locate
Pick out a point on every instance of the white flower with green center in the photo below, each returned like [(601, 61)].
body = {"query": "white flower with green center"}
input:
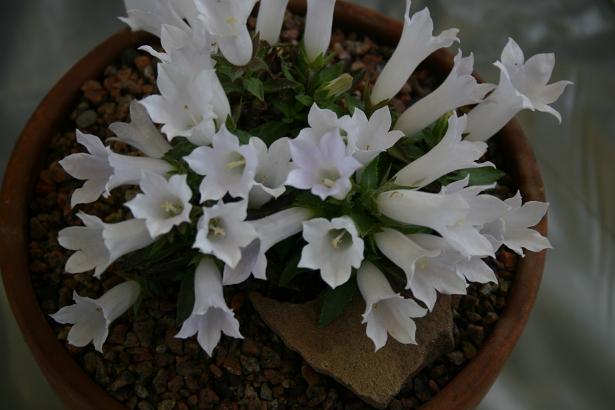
[(513, 228), (188, 106), (91, 317), (223, 231), (227, 166), (163, 203), (459, 89), (450, 154), (270, 230), (386, 312), (99, 244), (270, 19), (318, 27), (416, 43), (323, 167), (210, 315), (369, 137), (333, 247), (273, 167), (227, 21), (523, 85), (141, 133)]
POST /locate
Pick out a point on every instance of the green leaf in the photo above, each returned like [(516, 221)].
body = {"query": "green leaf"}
[(478, 176), (304, 99), (370, 177), (335, 302), (255, 87), (364, 222), (277, 85), (185, 298), (270, 131)]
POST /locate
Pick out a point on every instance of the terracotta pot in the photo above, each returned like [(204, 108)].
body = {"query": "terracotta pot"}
[(76, 389)]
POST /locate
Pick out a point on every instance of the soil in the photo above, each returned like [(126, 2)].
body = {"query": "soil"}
[(143, 365)]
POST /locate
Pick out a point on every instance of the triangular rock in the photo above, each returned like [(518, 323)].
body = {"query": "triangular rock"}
[(343, 351)]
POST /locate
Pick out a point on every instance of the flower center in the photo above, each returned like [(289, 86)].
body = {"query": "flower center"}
[(235, 161), (172, 208), (216, 227), (329, 177), (231, 20), (340, 239), (422, 263)]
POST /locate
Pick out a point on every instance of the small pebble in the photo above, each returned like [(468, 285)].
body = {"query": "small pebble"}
[(86, 119)]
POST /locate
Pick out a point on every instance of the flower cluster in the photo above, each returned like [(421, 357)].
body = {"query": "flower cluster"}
[(268, 150)]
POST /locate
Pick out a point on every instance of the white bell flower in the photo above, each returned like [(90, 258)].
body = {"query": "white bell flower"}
[(188, 106), (273, 167), (227, 21), (322, 167), (270, 230), (99, 244), (104, 170), (141, 133), (92, 167), (386, 312), (447, 214), (459, 89), (513, 228), (91, 317), (227, 166), (223, 231), (270, 20), (415, 45), (368, 138), (188, 50), (402, 251), (163, 203), (523, 85), (210, 316), (334, 247), (318, 27), (322, 121), (450, 154), (150, 15)]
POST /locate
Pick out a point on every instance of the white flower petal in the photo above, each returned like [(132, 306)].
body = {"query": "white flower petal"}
[(318, 27), (270, 19)]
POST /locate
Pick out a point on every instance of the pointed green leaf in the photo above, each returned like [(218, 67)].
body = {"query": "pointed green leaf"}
[(335, 301)]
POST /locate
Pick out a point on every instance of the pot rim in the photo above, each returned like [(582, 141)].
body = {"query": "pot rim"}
[(74, 386)]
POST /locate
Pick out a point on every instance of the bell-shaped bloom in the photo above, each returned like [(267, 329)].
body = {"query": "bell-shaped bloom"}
[(402, 251), (104, 170), (460, 88), (318, 27), (150, 15), (368, 138), (273, 167), (321, 121), (447, 214), (163, 203), (227, 166), (141, 133), (227, 21), (523, 85), (322, 167), (334, 247), (189, 51), (450, 154), (270, 19), (188, 106), (513, 228), (91, 317), (223, 231), (386, 312), (270, 231), (210, 316), (416, 43), (92, 167), (99, 244)]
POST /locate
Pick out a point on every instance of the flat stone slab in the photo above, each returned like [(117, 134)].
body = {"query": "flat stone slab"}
[(342, 350)]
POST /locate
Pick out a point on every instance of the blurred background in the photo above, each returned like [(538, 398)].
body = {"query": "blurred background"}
[(566, 357)]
